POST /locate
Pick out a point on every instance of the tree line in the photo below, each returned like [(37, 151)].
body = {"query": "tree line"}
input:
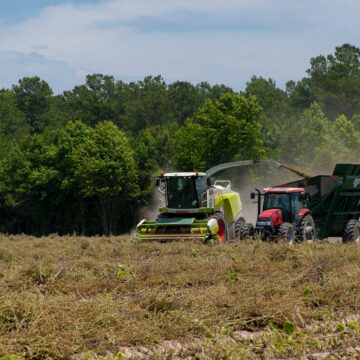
[(82, 162)]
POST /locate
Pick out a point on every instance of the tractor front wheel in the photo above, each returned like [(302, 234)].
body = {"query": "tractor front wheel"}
[(307, 229), (352, 231), (286, 231)]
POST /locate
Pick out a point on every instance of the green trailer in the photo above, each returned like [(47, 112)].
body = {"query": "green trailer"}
[(334, 202)]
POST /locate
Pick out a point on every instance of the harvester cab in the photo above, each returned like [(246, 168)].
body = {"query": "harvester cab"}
[(283, 214), (183, 190)]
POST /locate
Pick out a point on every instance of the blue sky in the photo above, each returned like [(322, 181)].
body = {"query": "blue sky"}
[(13, 11), (219, 41)]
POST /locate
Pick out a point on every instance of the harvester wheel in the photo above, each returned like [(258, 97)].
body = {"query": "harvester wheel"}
[(286, 231), (222, 233), (307, 229), (238, 224), (352, 231), (245, 231)]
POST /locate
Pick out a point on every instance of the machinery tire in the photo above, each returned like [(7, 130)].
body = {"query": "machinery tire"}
[(307, 230), (352, 231), (286, 232), (245, 231), (238, 224), (222, 234)]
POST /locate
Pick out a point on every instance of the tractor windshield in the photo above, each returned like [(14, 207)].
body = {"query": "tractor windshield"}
[(184, 192), (277, 201)]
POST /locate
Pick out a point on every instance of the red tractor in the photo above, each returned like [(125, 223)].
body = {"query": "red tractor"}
[(284, 214)]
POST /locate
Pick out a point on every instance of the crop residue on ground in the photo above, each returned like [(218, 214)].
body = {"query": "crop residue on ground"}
[(66, 296)]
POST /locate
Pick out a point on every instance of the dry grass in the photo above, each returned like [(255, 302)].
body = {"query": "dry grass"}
[(67, 296)]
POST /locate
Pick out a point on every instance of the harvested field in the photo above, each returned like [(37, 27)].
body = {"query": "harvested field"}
[(64, 297)]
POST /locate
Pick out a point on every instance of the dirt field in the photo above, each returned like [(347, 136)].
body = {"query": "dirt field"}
[(71, 297)]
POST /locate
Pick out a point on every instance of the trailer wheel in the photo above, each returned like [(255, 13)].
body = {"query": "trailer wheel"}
[(222, 233), (286, 231), (352, 231), (307, 229), (245, 231)]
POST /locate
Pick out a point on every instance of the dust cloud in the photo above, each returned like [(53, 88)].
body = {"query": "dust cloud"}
[(151, 211)]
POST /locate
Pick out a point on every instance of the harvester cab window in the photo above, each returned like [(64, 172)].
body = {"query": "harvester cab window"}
[(181, 193), (201, 184)]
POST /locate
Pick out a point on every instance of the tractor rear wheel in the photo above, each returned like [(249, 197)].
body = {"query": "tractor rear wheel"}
[(286, 231), (307, 229), (352, 231), (222, 233), (245, 231)]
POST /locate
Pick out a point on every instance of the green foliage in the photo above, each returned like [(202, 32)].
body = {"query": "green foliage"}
[(93, 102), (63, 179), (312, 139), (272, 100), (221, 131), (153, 146), (289, 327), (12, 120), (33, 97), (121, 271), (306, 293), (353, 325), (275, 112), (333, 82)]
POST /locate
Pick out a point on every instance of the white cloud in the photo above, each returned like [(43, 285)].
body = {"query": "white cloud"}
[(15, 65), (108, 37)]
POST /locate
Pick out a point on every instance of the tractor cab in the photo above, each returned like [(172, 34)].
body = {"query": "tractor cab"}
[(289, 200)]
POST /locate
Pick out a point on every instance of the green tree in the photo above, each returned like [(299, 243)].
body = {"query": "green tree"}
[(307, 133), (224, 130), (33, 98), (184, 99), (146, 104), (92, 102), (333, 82), (78, 179), (12, 120), (153, 148), (275, 114), (318, 143), (341, 143), (103, 168)]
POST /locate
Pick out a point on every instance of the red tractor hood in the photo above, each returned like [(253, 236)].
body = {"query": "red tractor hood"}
[(274, 214), (270, 213)]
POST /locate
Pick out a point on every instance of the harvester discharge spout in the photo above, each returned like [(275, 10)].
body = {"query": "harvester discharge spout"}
[(214, 170)]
